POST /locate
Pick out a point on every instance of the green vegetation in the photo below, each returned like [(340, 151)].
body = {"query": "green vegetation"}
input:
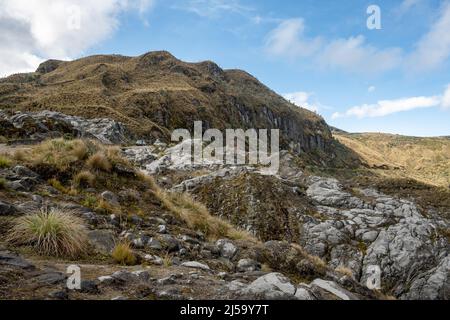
[(57, 232), (4, 162)]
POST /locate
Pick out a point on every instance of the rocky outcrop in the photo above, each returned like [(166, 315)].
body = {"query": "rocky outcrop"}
[(373, 229), (47, 124)]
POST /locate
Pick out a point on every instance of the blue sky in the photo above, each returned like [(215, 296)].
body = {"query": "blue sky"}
[(319, 54)]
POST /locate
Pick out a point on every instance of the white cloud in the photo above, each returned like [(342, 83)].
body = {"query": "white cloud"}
[(35, 30), (354, 55), (385, 107), (433, 49), (212, 8), (406, 6), (371, 89), (446, 98), (302, 99), (351, 54), (288, 39)]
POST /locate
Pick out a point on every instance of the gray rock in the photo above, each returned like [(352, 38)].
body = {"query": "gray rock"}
[(227, 248), (106, 131), (89, 287), (154, 259), (271, 286), (432, 285), (190, 240), (154, 244), (167, 280), (24, 172), (170, 243), (51, 278), (162, 228), (110, 197), (24, 184), (103, 240), (386, 232), (195, 265), (334, 289), (8, 258), (129, 277), (6, 209), (59, 295), (248, 265), (303, 293)]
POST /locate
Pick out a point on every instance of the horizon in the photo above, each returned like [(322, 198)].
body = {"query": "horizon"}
[(323, 57)]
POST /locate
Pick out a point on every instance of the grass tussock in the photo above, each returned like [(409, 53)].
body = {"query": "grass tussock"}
[(195, 214), (59, 153), (4, 162), (55, 232), (123, 254), (20, 155), (84, 179), (100, 162), (58, 186), (3, 184)]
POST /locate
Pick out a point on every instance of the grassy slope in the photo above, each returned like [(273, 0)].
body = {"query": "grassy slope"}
[(426, 160)]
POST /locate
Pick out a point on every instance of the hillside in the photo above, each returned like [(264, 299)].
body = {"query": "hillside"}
[(424, 159), (78, 188), (155, 93)]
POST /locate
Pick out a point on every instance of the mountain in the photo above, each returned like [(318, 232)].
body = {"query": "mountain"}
[(344, 208), (155, 93)]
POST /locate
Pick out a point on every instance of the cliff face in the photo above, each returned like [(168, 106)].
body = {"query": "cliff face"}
[(155, 93)]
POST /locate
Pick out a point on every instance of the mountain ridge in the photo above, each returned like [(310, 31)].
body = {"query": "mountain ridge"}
[(155, 93)]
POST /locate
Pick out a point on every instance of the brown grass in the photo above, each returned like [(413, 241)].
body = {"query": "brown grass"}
[(99, 161), (84, 179), (345, 271), (316, 261), (55, 232), (58, 186), (123, 254), (195, 214), (423, 159), (59, 153)]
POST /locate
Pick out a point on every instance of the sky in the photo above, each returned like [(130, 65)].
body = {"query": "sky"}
[(365, 66)]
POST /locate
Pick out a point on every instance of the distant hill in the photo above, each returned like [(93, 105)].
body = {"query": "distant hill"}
[(423, 159)]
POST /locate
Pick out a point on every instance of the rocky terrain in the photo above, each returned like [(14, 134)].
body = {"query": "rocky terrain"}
[(88, 140)]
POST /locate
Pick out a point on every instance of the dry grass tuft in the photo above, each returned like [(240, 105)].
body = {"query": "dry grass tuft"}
[(99, 161), (315, 260), (195, 214), (197, 217), (58, 186), (55, 232), (123, 254), (84, 179), (20, 155), (59, 153), (3, 184), (345, 271), (4, 162)]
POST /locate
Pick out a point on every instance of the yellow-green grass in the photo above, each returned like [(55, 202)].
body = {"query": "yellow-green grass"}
[(54, 232)]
